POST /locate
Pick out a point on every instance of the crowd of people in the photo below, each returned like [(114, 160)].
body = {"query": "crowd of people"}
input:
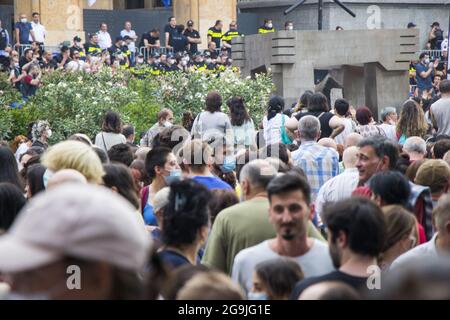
[(312, 203), (318, 201)]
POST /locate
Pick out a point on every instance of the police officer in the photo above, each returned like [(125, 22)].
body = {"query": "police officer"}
[(92, 46), (77, 47), (267, 27), (199, 63), (193, 37), (215, 33), (229, 35)]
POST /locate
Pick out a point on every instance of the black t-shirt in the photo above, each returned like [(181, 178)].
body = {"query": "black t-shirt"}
[(179, 42), (23, 61), (212, 54), (436, 42), (324, 118), (359, 283), (171, 31), (151, 40), (192, 34)]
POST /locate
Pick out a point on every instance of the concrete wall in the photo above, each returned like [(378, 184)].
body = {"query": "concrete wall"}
[(393, 14)]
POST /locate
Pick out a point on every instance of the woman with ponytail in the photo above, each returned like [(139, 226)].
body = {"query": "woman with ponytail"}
[(186, 223), (274, 121)]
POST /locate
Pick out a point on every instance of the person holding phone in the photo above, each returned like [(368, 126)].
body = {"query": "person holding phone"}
[(425, 70)]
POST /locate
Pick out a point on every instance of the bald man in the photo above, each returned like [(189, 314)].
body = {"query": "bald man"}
[(352, 140), (342, 186), (66, 176), (329, 143)]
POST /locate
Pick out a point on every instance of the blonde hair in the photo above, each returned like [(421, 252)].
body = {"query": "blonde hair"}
[(74, 155), (210, 285)]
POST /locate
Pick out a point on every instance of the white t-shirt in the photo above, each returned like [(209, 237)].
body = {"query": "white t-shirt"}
[(390, 131), (76, 65), (107, 140), (272, 128), (104, 40), (39, 32), (315, 262), (131, 34), (350, 127)]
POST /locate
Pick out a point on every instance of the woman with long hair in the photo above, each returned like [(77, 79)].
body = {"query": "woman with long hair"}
[(412, 122), (243, 126), (275, 121), (9, 171), (111, 133)]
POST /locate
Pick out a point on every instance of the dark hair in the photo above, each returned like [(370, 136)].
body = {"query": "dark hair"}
[(35, 178), (9, 171), (156, 157), (172, 137), (188, 120), (363, 115), (180, 28), (340, 291), (399, 223), (213, 102), (103, 156), (276, 105), (318, 103), (121, 153), (221, 199), (440, 148), (361, 220), (112, 122), (119, 176), (139, 166), (11, 202), (276, 150), (422, 55), (306, 98), (218, 22), (392, 187), (288, 183), (35, 14), (179, 278), (238, 112), (444, 86), (79, 138), (170, 18), (341, 106), (186, 213), (128, 131), (279, 276), (382, 147)]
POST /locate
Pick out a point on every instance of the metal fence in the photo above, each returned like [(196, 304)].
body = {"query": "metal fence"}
[(433, 54)]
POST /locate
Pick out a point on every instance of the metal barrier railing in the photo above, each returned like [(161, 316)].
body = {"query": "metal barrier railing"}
[(147, 52), (22, 47), (434, 54)]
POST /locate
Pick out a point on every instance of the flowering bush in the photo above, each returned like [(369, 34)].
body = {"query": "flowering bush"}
[(187, 91), (76, 102)]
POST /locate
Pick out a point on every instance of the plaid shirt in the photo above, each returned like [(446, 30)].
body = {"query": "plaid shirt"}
[(320, 164), (422, 204)]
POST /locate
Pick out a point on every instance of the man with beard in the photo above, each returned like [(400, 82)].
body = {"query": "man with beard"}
[(289, 211), (356, 235)]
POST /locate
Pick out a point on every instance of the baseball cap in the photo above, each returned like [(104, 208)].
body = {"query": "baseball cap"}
[(434, 174), (77, 39), (126, 38), (161, 199), (89, 223), (190, 23), (119, 38), (411, 25)]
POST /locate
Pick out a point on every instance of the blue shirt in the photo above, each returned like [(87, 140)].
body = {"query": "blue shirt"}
[(319, 163), (24, 32), (213, 183), (149, 215), (423, 83)]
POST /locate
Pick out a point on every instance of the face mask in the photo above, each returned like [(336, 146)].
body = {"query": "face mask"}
[(157, 61), (49, 133), (257, 296), (48, 174), (16, 64), (184, 63), (140, 61), (270, 26), (290, 28), (229, 165), (427, 61), (175, 175), (208, 61), (168, 124), (24, 20), (171, 61)]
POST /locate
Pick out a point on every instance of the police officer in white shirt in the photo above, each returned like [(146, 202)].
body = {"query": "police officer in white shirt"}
[(104, 38), (38, 28)]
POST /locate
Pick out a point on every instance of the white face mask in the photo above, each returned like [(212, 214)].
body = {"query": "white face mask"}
[(290, 28), (168, 124), (140, 61), (184, 63), (49, 133), (427, 61), (270, 26), (24, 20), (257, 296), (157, 61), (208, 61)]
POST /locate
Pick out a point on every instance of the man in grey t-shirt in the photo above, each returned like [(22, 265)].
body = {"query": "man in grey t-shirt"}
[(440, 110)]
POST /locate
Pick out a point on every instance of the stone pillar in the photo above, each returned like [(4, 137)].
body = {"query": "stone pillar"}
[(204, 13)]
